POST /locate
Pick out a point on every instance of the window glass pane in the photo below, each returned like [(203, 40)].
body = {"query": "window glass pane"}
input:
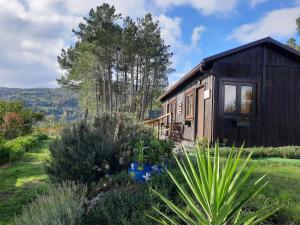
[(230, 99), (246, 99)]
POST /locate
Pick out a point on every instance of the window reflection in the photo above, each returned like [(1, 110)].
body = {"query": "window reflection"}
[(246, 99), (230, 99)]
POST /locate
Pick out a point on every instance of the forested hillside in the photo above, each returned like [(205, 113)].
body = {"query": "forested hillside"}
[(57, 104)]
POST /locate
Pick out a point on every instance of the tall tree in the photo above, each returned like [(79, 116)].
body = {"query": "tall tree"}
[(116, 65), (292, 41)]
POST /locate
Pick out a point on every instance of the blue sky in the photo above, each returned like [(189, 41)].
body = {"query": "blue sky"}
[(34, 31)]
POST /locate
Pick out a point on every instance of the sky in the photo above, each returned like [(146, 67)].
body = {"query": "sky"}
[(33, 32)]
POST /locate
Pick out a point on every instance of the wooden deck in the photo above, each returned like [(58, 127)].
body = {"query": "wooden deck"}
[(166, 127)]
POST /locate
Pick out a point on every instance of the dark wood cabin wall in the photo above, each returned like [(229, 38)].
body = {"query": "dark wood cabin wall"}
[(282, 100), (243, 66), (277, 120), (179, 95)]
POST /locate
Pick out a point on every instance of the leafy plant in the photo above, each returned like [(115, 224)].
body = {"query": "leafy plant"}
[(140, 148), (16, 120), (87, 152), (214, 192), (153, 151), (63, 204), (12, 150)]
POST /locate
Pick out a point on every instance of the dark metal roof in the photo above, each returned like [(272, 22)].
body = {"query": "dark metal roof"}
[(267, 40), (181, 81)]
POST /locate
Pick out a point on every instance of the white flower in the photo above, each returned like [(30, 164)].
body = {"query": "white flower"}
[(132, 166), (154, 167), (147, 176)]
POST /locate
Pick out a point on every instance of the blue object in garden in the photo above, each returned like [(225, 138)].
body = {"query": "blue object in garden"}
[(143, 172)]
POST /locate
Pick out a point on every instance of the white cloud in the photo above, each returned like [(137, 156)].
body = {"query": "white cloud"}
[(33, 32), (171, 32), (206, 7), (254, 3), (279, 24), (170, 29), (196, 35)]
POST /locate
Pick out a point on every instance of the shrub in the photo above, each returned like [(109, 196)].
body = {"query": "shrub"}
[(6, 155), (87, 152), (12, 150), (292, 152), (40, 136), (16, 120), (128, 203), (210, 191), (153, 151), (63, 204)]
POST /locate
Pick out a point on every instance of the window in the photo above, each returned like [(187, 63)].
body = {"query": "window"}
[(189, 105), (173, 110), (246, 99), (239, 98), (230, 98)]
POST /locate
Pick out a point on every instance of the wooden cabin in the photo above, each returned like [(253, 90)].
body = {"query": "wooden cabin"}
[(248, 94)]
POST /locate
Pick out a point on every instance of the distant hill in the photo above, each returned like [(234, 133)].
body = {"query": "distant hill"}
[(56, 103)]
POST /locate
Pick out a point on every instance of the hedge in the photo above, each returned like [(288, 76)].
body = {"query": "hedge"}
[(290, 152), (12, 150)]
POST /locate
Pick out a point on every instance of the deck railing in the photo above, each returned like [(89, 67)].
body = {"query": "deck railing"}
[(162, 126)]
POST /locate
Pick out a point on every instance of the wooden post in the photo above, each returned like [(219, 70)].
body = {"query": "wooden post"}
[(170, 126)]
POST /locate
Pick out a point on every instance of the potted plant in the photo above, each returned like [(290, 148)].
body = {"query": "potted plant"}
[(150, 160), (140, 171)]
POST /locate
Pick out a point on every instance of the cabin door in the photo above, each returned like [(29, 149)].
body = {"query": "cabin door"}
[(200, 112)]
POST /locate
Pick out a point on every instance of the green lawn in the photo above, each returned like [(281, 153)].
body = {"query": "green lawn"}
[(284, 186), (283, 177), (22, 181)]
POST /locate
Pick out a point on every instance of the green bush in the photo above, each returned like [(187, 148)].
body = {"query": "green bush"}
[(128, 203), (6, 155), (16, 120), (86, 152), (291, 152), (40, 136), (12, 150), (63, 205)]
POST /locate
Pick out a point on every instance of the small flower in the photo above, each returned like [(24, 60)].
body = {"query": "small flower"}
[(147, 176), (132, 166), (154, 167)]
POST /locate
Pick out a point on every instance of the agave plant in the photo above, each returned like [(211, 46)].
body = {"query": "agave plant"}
[(214, 191)]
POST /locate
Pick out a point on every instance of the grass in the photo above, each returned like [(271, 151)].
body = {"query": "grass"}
[(283, 177), (22, 181), (283, 187)]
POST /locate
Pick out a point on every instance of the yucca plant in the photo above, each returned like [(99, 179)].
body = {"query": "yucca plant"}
[(214, 191)]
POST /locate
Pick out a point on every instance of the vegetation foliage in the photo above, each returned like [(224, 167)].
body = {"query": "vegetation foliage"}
[(22, 181), (12, 150), (292, 41), (57, 104), (62, 204), (116, 64), (291, 152), (16, 120), (88, 151), (221, 190)]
